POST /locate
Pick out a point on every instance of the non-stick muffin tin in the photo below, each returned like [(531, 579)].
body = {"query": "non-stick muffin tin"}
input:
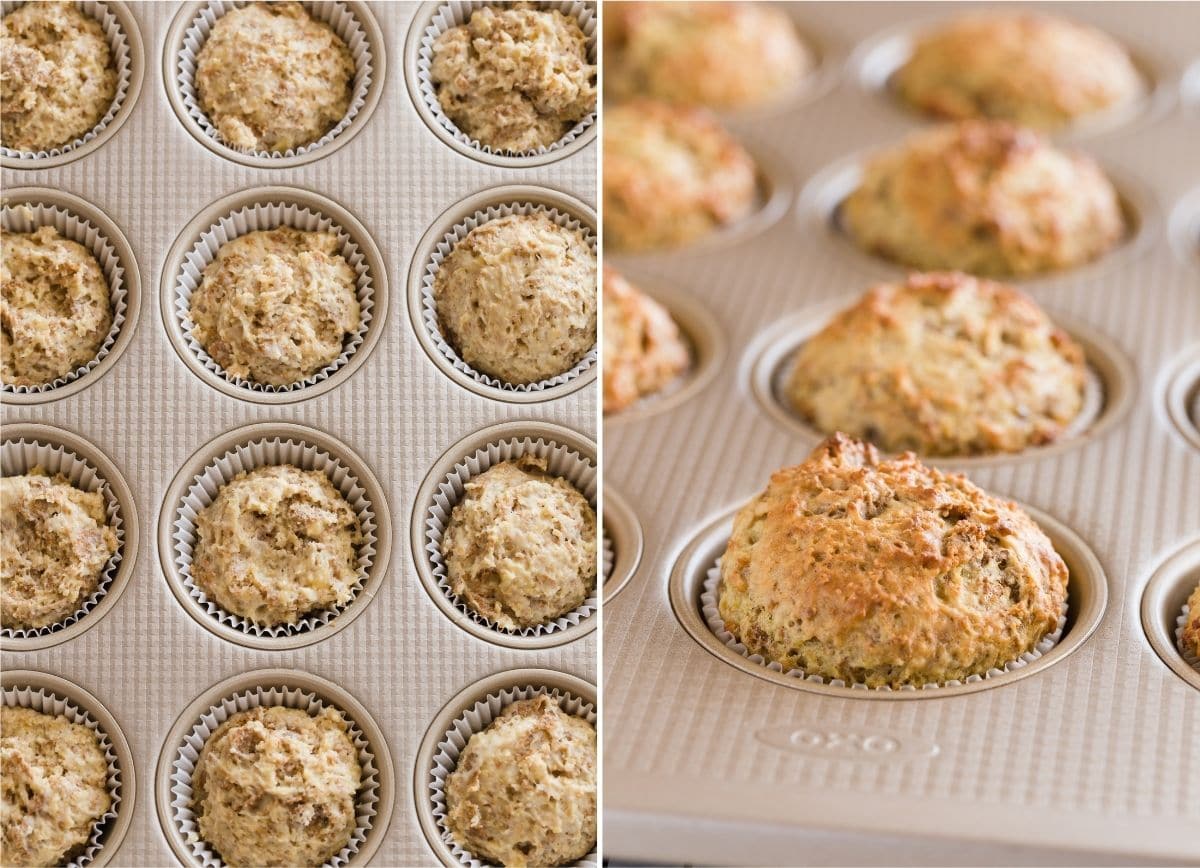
[(1086, 755), (158, 659)]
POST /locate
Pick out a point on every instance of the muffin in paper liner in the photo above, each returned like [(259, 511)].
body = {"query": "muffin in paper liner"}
[(26, 217), (1188, 658), (340, 18), (476, 719), (561, 461), (122, 47), (22, 455), (47, 702), (457, 12), (260, 217), (263, 452), (187, 752), (711, 593), (429, 315)]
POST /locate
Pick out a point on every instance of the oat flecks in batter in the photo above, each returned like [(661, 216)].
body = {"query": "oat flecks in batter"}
[(643, 349)]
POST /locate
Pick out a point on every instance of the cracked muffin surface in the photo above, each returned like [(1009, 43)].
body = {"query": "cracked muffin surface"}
[(520, 546), (53, 786), (984, 197), (516, 298), (57, 78), (276, 544), (943, 364), (276, 306), (55, 306), (714, 54), (887, 573), (643, 349), (270, 77), (277, 786), (671, 175), (55, 544), (1189, 639), (1037, 70), (514, 77), (524, 789)]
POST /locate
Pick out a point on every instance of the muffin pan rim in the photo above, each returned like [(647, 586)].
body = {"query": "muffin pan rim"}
[(1183, 224), (1182, 385), (628, 542), (1162, 601)]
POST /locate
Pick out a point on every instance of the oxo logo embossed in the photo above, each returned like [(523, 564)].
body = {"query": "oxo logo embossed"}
[(862, 744)]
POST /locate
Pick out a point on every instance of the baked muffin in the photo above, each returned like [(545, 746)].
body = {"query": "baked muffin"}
[(984, 197), (276, 544), (270, 77), (516, 298), (719, 55), (276, 306), (643, 349), (57, 78), (524, 789), (514, 77), (943, 364), (1037, 70), (53, 786), (887, 573), (54, 546), (671, 175), (55, 306), (520, 547), (1189, 639), (277, 786)]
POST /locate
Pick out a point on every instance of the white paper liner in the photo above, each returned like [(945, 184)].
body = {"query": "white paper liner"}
[(457, 12), (261, 217), (476, 719), (26, 217), (188, 752), (122, 60), (21, 456), (266, 452), (1189, 658), (708, 606), (429, 314), (47, 702), (608, 556), (560, 461), (340, 19)]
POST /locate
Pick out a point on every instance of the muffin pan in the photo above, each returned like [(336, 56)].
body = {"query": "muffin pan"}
[(713, 758), (387, 414)]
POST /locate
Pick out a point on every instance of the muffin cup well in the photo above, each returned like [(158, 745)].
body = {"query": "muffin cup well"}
[(49, 694), (471, 711), (125, 44), (623, 543), (568, 455), (1164, 606), (1184, 225), (261, 445), (268, 208), (269, 688), (353, 23), (27, 445), (26, 209), (1109, 386), (434, 19), (1183, 396), (451, 228), (692, 588)]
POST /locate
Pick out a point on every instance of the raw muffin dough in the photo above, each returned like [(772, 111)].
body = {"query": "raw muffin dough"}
[(277, 786), (671, 175), (643, 349), (984, 197), (520, 547), (524, 789), (1037, 70), (276, 306), (720, 55), (1189, 640), (57, 78), (54, 544), (272, 78), (887, 573), (54, 782), (276, 544), (55, 306), (514, 78), (516, 298), (944, 364)]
